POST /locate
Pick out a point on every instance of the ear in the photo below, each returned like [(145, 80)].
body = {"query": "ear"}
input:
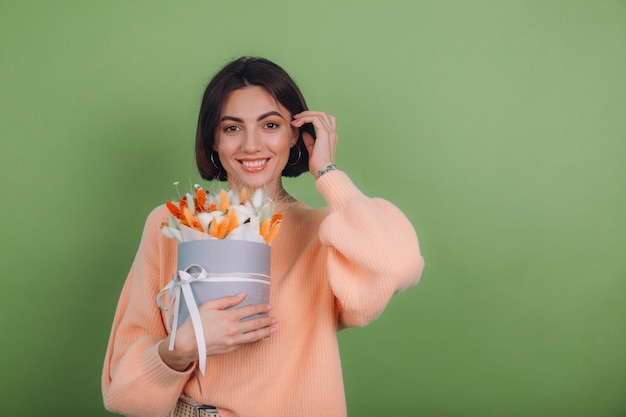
[(295, 135)]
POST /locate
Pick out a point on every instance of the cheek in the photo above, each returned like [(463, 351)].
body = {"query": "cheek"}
[(225, 145), (281, 145)]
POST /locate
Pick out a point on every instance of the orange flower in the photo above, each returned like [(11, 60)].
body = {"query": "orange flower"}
[(222, 228), (275, 225), (201, 196), (243, 196), (174, 210), (233, 221), (218, 215), (224, 203), (265, 227), (213, 228)]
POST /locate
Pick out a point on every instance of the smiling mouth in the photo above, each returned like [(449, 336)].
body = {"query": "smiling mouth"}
[(256, 165)]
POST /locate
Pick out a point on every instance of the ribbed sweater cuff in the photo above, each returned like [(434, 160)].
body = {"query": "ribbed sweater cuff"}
[(337, 189), (163, 375)]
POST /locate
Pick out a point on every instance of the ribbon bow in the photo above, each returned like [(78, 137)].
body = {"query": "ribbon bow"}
[(181, 283)]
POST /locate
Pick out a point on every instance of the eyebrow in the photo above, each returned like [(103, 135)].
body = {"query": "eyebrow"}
[(261, 117)]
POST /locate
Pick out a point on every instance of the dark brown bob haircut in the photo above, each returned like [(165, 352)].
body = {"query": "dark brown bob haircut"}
[(240, 73)]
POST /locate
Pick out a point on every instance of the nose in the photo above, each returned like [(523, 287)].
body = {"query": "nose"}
[(251, 142)]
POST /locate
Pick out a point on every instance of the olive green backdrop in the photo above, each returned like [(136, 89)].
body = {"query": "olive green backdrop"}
[(497, 126)]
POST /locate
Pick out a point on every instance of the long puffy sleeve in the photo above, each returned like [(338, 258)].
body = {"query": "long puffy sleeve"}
[(135, 380), (372, 250)]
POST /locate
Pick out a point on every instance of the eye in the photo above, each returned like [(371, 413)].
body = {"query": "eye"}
[(231, 128), (271, 125)]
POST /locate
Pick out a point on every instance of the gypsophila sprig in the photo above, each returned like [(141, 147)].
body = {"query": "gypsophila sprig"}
[(223, 214)]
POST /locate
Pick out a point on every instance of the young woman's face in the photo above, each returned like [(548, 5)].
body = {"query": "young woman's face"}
[(254, 137)]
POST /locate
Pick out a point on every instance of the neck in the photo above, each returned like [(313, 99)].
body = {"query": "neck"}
[(274, 191)]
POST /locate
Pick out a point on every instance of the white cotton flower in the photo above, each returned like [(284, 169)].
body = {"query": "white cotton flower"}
[(172, 222), (248, 206), (167, 232), (172, 233), (233, 197), (206, 218), (172, 229), (265, 211), (258, 198), (244, 212)]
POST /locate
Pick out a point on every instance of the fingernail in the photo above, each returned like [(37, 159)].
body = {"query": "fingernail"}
[(269, 306), (274, 320), (273, 330)]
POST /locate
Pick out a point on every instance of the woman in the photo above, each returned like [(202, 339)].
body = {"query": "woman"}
[(331, 268)]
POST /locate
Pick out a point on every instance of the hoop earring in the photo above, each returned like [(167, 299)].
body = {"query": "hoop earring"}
[(299, 156), (219, 168)]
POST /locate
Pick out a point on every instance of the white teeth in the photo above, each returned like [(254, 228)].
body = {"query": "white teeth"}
[(254, 164)]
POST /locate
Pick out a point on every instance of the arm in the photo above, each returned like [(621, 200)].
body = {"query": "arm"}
[(372, 247), (135, 380), (372, 250)]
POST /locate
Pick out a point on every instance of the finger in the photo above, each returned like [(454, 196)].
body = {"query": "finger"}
[(239, 337), (224, 302), (319, 119), (255, 335), (323, 126), (258, 323), (251, 310)]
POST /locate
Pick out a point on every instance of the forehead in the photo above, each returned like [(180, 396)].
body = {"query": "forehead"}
[(252, 101)]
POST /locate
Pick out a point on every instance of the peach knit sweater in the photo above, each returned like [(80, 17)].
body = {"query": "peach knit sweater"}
[(331, 268)]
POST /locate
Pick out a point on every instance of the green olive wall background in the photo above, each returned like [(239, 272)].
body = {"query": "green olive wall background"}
[(498, 127)]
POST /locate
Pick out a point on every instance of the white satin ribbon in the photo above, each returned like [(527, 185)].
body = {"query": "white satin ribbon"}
[(181, 282)]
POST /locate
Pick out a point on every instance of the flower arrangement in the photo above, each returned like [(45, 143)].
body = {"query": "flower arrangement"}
[(224, 242), (224, 214)]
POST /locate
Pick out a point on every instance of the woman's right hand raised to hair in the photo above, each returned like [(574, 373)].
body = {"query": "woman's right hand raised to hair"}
[(223, 331), (322, 150)]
